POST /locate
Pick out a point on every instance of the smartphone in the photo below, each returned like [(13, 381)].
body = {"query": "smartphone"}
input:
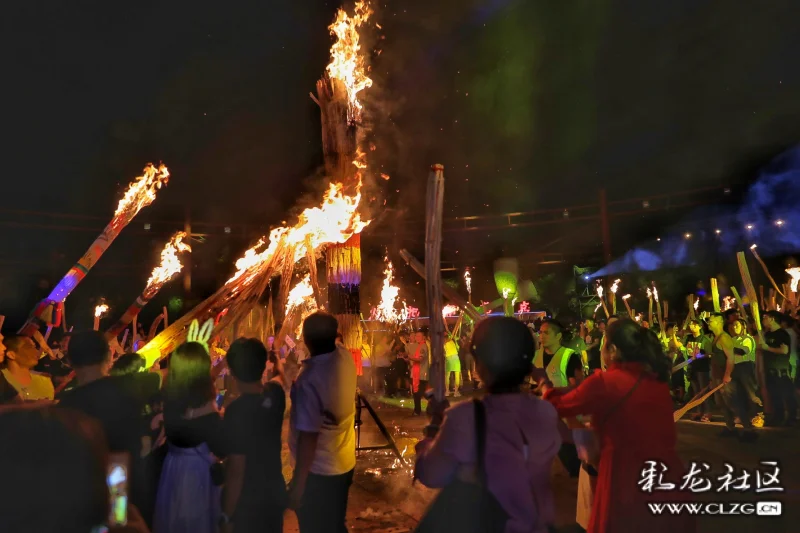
[(117, 481)]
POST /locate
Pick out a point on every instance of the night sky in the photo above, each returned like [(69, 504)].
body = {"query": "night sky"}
[(528, 104)]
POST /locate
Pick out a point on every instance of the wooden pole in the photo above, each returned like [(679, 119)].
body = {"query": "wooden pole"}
[(447, 291), (715, 294), (739, 302), (433, 277), (628, 308), (766, 270), (751, 294)]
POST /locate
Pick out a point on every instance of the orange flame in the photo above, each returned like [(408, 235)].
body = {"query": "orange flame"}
[(347, 64), (301, 295), (795, 273), (170, 264), (626, 296), (615, 286), (100, 310), (335, 221), (142, 191), (449, 310), (385, 311)]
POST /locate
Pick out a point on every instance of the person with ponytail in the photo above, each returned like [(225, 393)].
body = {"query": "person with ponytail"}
[(630, 408)]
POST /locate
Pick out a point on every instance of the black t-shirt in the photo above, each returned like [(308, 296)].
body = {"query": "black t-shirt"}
[(253, 424), (118, 412), (191, 432), (677, 378), (593, 355), (574, 365), (776, 339), (701, 343)]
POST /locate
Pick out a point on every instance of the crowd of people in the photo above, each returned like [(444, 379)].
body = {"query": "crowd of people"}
[(190, 464), (203, 453)]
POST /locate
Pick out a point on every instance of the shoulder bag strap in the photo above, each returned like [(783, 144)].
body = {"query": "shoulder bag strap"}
[(480, 439)]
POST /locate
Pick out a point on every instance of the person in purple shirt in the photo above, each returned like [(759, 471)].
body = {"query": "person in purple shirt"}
[(522, 435)]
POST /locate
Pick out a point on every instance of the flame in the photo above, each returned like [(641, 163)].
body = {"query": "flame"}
[(335, 221), (696, 304), (655, 292), (170, 264), (600, 291), (449, 310), (615, 286), (795, 273), (347, 63), (385, 312), (468, 280), (727, 303), (649, 293), (100, 310), (506, 292), (598, 307), (626, 296), (301, 294), (142, 191)]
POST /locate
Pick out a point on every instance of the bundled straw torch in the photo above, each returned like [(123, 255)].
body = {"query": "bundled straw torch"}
[(140, 194), (169, 267)]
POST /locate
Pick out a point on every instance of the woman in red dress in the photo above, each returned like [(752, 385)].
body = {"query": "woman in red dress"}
[(631, 409)]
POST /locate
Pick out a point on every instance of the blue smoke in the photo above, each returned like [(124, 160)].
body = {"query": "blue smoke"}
[(768, 216)]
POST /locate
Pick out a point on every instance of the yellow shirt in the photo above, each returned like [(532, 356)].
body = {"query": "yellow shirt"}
[(40, 388)]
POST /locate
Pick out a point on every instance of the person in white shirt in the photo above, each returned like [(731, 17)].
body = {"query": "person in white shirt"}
[(322, 432)]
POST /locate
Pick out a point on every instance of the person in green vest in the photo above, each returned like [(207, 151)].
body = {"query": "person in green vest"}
[(562, 365), (452, 365)]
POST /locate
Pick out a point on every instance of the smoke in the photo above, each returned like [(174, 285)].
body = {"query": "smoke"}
[(768, 216)]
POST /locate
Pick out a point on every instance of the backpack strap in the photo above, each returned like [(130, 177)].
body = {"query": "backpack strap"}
[(480, 439)]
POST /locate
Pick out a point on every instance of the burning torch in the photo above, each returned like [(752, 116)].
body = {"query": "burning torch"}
[(140, 193), (468, 282), (99, 312), (602, 301), (614, 289), (169, 267), (628, 307)]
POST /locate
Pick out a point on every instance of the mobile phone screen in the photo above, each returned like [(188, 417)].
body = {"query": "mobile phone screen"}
[(117, 481)]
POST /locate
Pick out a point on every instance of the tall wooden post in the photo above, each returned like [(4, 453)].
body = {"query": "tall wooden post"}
[(341, 136), (433, 277)]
